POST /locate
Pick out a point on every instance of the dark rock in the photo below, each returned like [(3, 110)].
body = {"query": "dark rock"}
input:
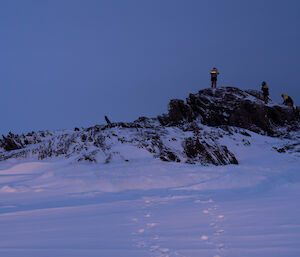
[(144, 122), (169, 156), (245, 133), (99, 141), (192, 126), (83, 138), (87, 158), (281, 150), (232, 107), (257, 94), (142, 119), (179, 111), (11, 142), (202, 152), (107, 120)]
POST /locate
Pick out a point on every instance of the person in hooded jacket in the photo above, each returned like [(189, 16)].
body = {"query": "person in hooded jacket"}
[(214, 75), (287, 100), (265, 89)]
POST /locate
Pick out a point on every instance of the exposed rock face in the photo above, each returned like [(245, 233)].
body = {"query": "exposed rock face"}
[(182, 138), (10, 143), (202, 152), (234, 107), (104, 144), (14, 142)]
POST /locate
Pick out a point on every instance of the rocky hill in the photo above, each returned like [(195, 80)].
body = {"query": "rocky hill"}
[(191, 132)]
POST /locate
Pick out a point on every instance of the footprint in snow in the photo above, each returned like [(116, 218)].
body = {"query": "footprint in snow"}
[(154, 247), (216, 224), (141, 244), (155, 237), (164, 250), (151, 225), (202, 201), (204, 238), (221, 245)]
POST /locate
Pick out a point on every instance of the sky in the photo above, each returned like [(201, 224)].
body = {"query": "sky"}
[(67, 63)]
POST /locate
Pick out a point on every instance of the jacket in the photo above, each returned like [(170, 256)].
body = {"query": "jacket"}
[(287, 99), (214, 71), (265, 90)]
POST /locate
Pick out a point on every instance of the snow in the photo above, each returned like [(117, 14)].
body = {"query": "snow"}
[(146, 207)]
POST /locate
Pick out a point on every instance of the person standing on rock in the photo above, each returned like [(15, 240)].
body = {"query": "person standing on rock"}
[(214, 74), (287, 100), (265, 89)]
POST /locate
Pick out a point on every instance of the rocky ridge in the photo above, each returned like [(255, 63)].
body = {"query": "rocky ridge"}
[(182, 135), (108, 143)]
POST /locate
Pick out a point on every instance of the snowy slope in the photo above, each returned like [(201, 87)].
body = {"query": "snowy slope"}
[(122, 142), (147, 207), (161, 187)]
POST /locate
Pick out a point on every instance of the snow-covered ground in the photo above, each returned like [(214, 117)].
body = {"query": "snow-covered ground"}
[(146, 207)]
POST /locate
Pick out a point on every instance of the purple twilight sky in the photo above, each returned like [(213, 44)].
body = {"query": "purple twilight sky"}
[(67, 63)]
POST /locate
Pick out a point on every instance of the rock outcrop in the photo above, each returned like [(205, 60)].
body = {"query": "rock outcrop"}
[(179, 136), (11, 142), (200, 151), (107, 143), (233, 107)]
